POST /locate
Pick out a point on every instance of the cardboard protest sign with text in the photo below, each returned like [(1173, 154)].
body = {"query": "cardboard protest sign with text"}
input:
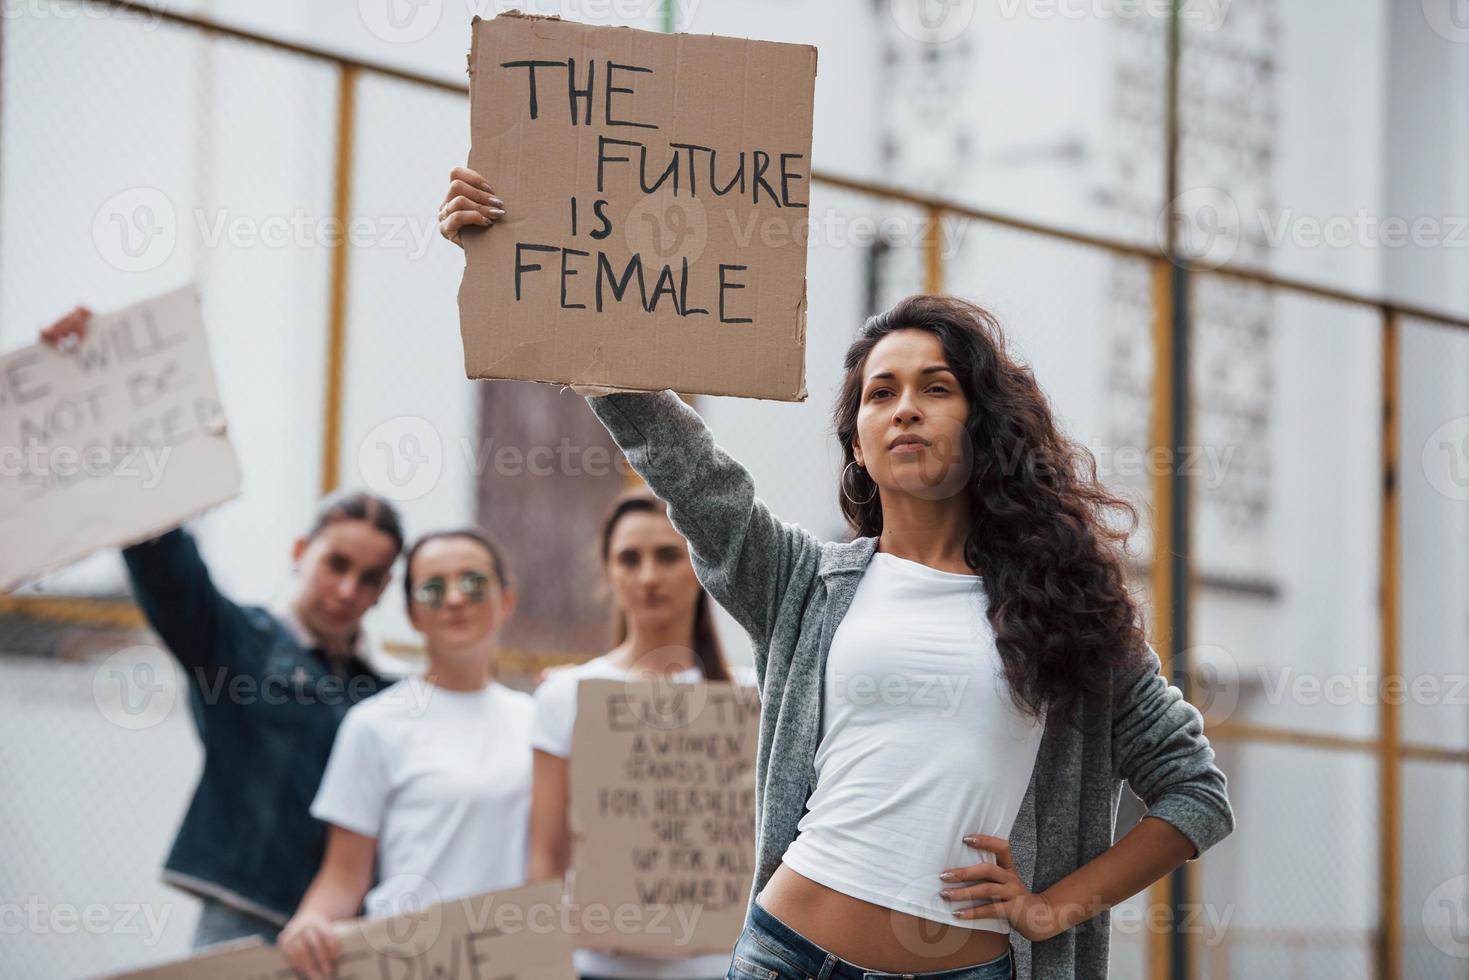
[(663, 814), (111, 443), (657, 191), (515, 934)]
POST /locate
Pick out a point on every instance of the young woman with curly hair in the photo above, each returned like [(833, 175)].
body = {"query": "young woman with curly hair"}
[(952, 699)]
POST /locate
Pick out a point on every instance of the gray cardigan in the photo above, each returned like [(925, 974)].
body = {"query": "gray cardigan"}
[(789, 591)]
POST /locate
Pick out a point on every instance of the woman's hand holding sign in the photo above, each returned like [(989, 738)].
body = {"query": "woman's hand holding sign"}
[(311, 945), (68, 331), (470, 202)]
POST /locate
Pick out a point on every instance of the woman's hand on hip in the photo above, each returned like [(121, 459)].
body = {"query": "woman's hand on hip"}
[(470, 203), (999, 884)]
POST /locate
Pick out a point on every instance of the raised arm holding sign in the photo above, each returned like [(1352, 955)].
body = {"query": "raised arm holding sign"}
[(268, 686), (116, 438)]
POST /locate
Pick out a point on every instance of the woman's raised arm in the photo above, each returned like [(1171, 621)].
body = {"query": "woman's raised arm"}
[(744, 554)]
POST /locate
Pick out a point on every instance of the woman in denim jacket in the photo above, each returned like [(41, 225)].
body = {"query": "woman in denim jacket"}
[(267, 690)]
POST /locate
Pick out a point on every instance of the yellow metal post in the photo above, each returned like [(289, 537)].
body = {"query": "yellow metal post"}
[(933, 258), (336, 331), (1161, 425), (1390, 952)]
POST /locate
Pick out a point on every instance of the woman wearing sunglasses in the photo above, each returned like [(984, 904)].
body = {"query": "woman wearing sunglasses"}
[(429, 781), (662, 627)]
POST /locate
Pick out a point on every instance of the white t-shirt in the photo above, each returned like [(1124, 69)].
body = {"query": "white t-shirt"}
[(555, 719), (920, 744), (442, 780)]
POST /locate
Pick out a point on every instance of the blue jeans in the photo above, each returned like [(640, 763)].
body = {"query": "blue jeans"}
[(769, 949), (219, 923)]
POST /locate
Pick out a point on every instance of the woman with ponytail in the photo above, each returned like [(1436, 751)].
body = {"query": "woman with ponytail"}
[(662, 628)]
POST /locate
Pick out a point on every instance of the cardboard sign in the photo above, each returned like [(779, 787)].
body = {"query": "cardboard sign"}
[(656, 189), (663, 814), (516, 934), (112, 443)]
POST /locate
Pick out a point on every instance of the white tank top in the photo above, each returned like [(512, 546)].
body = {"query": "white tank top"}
[(921, 744)]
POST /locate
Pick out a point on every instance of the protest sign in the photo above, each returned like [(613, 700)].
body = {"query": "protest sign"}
[(663, 814), (657, 192), (113, 442), (515, 934)]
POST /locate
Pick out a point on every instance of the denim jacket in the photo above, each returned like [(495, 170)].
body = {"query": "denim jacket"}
[(266, 707), (790, 590)]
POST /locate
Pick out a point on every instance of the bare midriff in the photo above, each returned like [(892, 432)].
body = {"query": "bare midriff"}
[(874, 937)]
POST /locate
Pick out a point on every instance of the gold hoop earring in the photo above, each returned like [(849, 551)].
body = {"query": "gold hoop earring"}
[(848, 496)]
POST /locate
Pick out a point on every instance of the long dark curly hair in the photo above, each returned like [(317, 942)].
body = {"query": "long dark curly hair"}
[(1051, 565)]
